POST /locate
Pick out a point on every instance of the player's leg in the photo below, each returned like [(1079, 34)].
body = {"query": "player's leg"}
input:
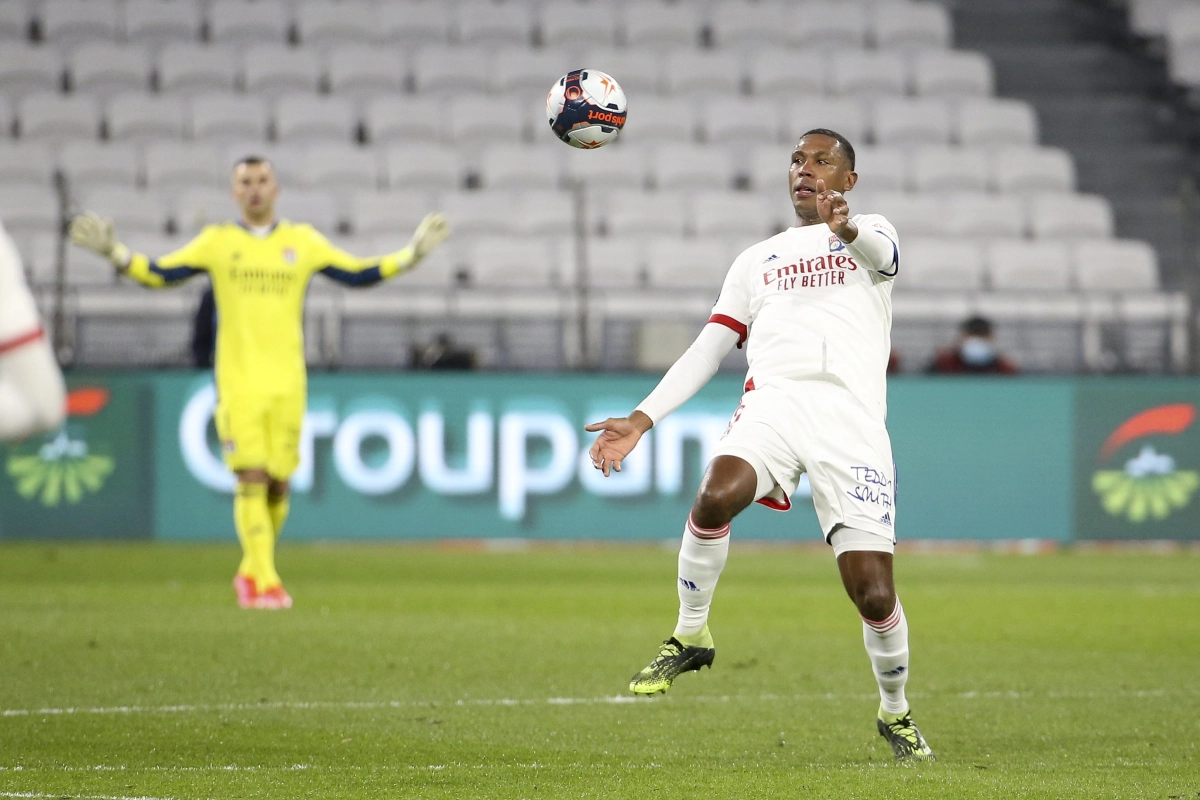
[(285, 415), (32, 393), (279, 494)]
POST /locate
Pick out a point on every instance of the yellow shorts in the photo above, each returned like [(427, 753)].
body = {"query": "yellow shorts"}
[(262, 433)]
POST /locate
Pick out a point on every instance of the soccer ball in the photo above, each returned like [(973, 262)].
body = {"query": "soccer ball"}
[(586, 108)]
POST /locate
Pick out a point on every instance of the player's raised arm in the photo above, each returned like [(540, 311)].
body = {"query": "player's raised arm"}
[(94, 233), (350, 270), (877, 250)]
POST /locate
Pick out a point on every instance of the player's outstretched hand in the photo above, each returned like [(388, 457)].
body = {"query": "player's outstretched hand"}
[(835, 211), (432, 231), (618, 436), (94, 233)]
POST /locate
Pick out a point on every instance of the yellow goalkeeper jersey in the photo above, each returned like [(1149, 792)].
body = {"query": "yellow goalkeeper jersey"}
[(259, 283)]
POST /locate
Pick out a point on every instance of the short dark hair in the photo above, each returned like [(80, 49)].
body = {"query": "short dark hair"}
[(253, 161), (847, 148), (977, 326)]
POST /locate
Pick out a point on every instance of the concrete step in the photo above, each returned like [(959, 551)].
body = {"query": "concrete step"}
[(1063, 68)]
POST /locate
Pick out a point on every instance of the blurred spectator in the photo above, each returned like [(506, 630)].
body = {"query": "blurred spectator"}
[(443, 354), (974, 353), (204, 331)]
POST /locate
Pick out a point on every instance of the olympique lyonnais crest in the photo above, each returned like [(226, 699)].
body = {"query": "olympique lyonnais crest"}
[(1150, 485), (289, 255), (836, 244), (63, 469)]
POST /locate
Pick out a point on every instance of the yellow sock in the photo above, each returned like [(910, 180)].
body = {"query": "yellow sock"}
[(253, 522), (278, 505)]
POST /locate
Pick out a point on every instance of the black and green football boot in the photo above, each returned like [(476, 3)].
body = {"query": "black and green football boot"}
[(903, 735), (675, 658)]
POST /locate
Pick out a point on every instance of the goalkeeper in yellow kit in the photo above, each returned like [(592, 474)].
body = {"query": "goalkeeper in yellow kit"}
[(260, 268)]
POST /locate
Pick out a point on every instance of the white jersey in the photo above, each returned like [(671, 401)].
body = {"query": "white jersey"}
[(18, 311), (811, 309)]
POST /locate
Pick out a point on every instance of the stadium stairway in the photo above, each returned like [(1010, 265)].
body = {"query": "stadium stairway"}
[(1105, 100)]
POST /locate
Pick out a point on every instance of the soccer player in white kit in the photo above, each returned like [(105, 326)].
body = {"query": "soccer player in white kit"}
[(32, 393), (813, 305)]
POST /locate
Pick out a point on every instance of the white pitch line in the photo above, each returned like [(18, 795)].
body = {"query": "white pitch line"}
[(60, 795)]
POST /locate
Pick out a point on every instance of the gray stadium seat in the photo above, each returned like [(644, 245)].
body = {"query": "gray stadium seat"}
[(767, 169), (910, 214), (321, 23), (1149, 17), (1070, 216), (105, 68), (1183, 27), (141, 117), (868, 74), (189, 68), (179, 165), (71, 21), (788, 73), (472, 120), (58, 117), (1037, 169), (239, 21), (158, 21), (29, 209), (40, 254), (1028, 265), (414, 23), (306, 117), (667, 119), (514, 262), (640, 213), (451, 70), (481, 22), (357, 70), (984, 216), (392, 213), (479, 213), (616, 264), (341, 166), (638, 71), (741, 120), (438, 271), (746, 24), (996, 122), (881, 168), (949, 169), (392, 118), (424, 166), (619, 166), (565, 24), (704, 72), (911, 26), (199, 206), (688, 263), (228, 116), (953, 73), (93, 163), (525, 70), (1118, 265), (26, 69), (8, 117), (131, 210), (736, 214), (287, 159), (546, 213), (14, 22), (87, 269), (830, 25), (315, 208), (518, 166), (692, 167), (274, 69), (920, 121), (941, 263), (844, 115), (653, 26), (26, 163)]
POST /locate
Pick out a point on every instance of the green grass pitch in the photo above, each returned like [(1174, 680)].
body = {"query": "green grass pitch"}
[(127, 671)]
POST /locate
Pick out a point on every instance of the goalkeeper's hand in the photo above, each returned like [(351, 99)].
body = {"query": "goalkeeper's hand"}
[(432, 231), (94, 233)]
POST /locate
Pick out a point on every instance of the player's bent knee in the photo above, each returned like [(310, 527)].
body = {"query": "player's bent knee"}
[(278, 488), (874, 601)]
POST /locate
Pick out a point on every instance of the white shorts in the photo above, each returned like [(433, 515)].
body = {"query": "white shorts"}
[(786, 428)]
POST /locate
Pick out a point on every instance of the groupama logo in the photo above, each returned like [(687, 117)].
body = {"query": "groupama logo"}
[(1150, 486), (63, 469)]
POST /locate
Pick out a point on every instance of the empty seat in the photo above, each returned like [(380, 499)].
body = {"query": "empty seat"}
[(545, 213), (521, 166), (669, 119), (741, 23), (14, 21), (911, 26), (85, 268), (105, 67), (29, 209), (996, 122), (984, 216), (830, 25), (131, 210), (692, 167), (319, 22), (640, 213), (306, 117), (358, 70), (142, 116), (699, 264), (1070, 216), (1183, 66), (482, 22), (704, 72), (413, 23), (768, 169), (29, 69), (399, 118), (92, 163), (638, 71), (228, 116), (199, 206), (1149, 17), (736, 214), (58, 117), (788, 73), (189, 68), (314, 208), (1118, 265), (616, 264), (522, 69), (844, 115), (242, 21), (40, 253), (910, 214), (921, 122), (517, 262), (741, 119), (158, 21), (620, 166), (8, 117), (947, 169), (341, 166), (479, 213), (1036, 169), (953, 73), (1183, 27), (178, 165), (439, 69), (654, 25), (490, 119), (67, 21), (564, 24), (26, 163), (1028, 265), (868, 74), (426, 166), (393, 213), (881, 168), (941, 263), (274, 69)]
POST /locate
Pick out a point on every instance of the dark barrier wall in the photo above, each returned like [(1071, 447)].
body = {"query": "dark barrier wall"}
[(414, 456)]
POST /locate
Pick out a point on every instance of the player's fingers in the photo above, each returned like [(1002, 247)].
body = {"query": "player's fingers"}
[(599, 426), (605, 468), (820, 186), (617, 465)]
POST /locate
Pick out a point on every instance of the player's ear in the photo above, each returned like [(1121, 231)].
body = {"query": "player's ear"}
[(851, 179)]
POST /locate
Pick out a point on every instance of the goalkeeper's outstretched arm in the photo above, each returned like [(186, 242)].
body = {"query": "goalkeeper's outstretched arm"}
[(94, 233), (351, 271)]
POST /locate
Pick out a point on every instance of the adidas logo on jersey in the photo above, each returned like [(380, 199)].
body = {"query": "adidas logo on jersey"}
[(886, 519), (691, 587), (769, 258)]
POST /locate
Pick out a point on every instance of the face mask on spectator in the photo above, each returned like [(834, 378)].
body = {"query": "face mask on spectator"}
[(977, 351)]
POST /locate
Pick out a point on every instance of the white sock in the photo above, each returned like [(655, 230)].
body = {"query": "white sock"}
[(887, 645), (701, 559), (32, 395)]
